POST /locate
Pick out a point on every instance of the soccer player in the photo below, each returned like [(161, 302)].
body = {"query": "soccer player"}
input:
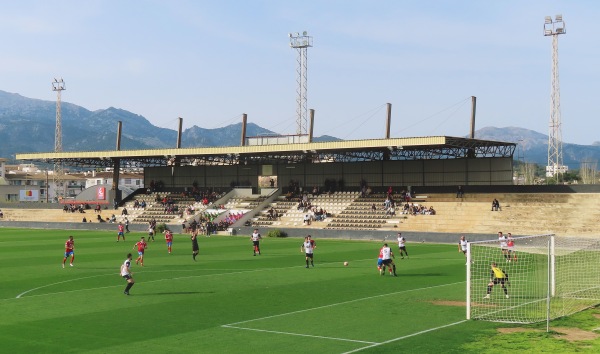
[(151, 229), (169, 239), (69, 251), (402, 245), (388, 256), (141, 247), (462, 246), (127, 274), (497, 276), (256, 241), (121, 232), (512, 254), (380, 260), (308, 247), (195, 248), (503, 245), (150, 233)]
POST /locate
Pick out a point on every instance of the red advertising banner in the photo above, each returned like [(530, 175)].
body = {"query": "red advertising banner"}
[(101, 193)]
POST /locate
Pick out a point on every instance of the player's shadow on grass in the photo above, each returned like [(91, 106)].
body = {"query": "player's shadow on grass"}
[(179, 293)]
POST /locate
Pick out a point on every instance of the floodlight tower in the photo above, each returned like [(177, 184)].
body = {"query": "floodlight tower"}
[(58, 86), (555, 166), (301, 42)]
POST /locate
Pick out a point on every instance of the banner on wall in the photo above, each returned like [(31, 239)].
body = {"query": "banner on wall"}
[(29, 195), (101, 193)]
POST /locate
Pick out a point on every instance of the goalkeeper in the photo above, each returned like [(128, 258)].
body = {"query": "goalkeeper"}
[(497, 276)]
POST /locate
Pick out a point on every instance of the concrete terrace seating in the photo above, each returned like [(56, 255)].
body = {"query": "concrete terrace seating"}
[(155, 210), (521, 214), (332, 204), (359, 215)]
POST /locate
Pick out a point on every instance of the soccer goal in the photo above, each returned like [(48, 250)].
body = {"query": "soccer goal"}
[(546, 277)]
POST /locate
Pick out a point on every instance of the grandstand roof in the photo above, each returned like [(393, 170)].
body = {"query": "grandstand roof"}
[(432, 147)]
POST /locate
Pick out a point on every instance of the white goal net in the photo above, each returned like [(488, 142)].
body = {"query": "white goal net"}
[(538, 278)]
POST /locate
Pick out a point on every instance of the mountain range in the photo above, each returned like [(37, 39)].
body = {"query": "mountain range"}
[(28, 125)]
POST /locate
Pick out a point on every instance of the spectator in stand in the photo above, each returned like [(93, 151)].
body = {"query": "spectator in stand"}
[(306, 219), (124, 211), (459, 192), (495, 205)]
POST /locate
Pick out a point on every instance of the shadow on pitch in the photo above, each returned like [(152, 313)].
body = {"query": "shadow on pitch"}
[(178, 293)]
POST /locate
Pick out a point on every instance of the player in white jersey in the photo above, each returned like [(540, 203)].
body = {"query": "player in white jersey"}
[(308, 247), (504, 245), (387, 258), (256, 242), (402, 245), (462, 245), (127, 274)]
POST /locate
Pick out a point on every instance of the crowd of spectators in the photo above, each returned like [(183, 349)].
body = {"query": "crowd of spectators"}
[(416, 209), (72, 208), (207, 225)]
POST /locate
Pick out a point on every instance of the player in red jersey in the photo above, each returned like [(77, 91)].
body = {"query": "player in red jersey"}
[(169, 239), (141, 247), (69, 251), (121, 233)]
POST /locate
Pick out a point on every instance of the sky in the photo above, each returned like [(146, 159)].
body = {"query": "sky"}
[(209, 62)]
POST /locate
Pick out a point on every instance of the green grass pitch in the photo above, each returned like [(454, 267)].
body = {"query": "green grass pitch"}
[(230, 301)]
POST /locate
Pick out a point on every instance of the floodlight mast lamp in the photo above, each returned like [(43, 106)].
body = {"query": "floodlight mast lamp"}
[(301, 42), (554, 28), (58, 86), (57, 177)]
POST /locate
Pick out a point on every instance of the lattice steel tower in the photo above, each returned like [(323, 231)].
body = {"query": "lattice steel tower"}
[(57, 177), (301, 42), (555, 166)]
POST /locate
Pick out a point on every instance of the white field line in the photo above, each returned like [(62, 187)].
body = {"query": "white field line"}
[(154, 281), (404, 337), (339, 303), (299, 334)]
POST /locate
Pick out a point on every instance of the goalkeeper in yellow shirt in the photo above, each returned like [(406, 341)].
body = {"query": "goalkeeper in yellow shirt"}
[(497, 276)]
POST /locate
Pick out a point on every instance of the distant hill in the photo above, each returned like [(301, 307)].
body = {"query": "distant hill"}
[(27, 125), (534, 146)]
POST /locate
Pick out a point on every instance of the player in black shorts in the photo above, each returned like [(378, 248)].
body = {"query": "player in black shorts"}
[(195, 248)]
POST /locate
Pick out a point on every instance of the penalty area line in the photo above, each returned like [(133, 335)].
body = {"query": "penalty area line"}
[(299, 334), (342, 303), (406, 336)]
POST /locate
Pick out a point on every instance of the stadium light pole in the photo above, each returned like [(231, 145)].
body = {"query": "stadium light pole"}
[(301, 42), (57, 177), (554, 28)]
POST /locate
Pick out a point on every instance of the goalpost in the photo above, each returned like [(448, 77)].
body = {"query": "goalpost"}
[(547, 277)]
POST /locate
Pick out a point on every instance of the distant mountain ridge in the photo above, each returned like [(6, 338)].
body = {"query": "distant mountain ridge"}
[(28, 125), (533, 146)]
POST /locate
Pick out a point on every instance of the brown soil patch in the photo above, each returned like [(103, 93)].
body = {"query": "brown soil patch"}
[(575, 334), (517, 330), (597, 315)]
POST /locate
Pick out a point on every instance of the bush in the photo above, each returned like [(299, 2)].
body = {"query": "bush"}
[(160, 228), (276, 233)]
